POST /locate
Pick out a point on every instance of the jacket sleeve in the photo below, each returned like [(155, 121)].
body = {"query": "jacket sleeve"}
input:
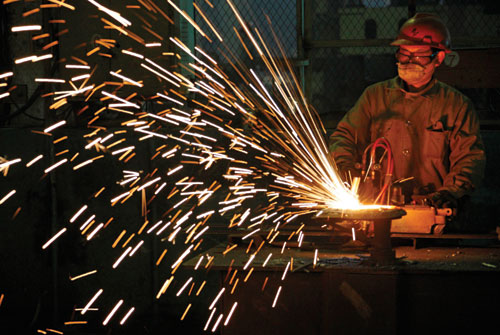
[(467, 157), (352, 134)]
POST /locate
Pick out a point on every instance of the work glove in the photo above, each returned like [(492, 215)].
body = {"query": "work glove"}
[(442, 199)]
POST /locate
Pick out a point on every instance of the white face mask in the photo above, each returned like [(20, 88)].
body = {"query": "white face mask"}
[(414, 74)]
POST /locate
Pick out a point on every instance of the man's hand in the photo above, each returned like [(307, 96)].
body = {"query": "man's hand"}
[(442, 199)]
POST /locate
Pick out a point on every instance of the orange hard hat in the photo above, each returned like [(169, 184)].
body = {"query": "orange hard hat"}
[(424, 29)]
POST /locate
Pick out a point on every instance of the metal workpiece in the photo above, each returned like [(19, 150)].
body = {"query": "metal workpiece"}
[(381, 248), (378, 213)]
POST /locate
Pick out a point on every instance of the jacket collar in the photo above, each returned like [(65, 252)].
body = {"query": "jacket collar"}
[(397, 83)]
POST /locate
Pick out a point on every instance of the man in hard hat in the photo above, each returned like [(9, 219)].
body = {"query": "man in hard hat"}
[(432, 128)]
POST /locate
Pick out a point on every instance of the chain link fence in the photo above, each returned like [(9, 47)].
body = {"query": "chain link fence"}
[(257, 14), (347, 44), (349, 50)]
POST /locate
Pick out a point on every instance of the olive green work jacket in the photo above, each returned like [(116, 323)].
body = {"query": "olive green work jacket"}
[(434, 134)]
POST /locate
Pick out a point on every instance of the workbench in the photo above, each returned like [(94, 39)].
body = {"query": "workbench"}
[(427, 290)]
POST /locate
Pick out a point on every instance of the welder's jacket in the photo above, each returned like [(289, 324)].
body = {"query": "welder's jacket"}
[(434, 134)]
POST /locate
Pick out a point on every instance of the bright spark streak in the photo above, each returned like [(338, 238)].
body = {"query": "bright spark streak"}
[(163, 228), (206, 55), (184, 286), (131, 310), (301, 238), (113, 311), (221, 107), (89, 237), (4, 199), (63, 4), (198, 135), (94, 298), (151, 133), (149, 183), (34, 160), (106, 138), (126, 79), (124, 254), (217, 298), (61, 162), (164, 287), (188, 18), (184, 254), (26, 28), (24, 59), (92, 217), (180, 203), (150, 230), (200, 233), (160, 75), (249, 261), (276, 297), (43, 57), (87, 162), (134, 54), (227, 208), (230, 314), (125, 102), (174, 170), (243, 24), (183, 219), (170, 99), (8, 163), (199, 262), (217, 322), (66, 94), (172, 76), (82, 67), (173, 234), (267, 260), (113, 14), (4, 95), (205, 214), (160, 188), (250, 234), (119, 151), (6, 74), (209, 319), (258, 217), (284, 272), (82, 275), (54, 126), (83, 76), (50, 80), (136, 248)]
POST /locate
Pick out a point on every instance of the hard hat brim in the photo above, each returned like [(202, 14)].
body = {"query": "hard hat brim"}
[(404, 41)]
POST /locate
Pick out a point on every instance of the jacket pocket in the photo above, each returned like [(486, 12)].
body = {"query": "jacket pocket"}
[(435, 144)]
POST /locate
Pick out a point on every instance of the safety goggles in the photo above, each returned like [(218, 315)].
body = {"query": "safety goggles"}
[(405, 57)]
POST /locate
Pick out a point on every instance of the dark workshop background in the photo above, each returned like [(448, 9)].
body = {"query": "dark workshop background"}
[(338, 48)]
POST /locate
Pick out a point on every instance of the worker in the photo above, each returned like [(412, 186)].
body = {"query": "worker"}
[(432, 128)]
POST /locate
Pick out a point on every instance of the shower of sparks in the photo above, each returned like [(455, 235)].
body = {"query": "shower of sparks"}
[(252, 141)]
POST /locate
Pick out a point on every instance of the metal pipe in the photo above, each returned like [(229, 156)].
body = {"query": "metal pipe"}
[(382, 252)]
